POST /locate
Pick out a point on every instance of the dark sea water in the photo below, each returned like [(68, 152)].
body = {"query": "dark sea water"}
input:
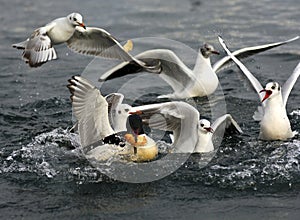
[(43, 175)]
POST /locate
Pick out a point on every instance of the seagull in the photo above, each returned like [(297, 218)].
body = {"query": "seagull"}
[(190, 135), (208, 130), (197, 82), (38, 48), (94, 113), (274, 122), (99, 139)]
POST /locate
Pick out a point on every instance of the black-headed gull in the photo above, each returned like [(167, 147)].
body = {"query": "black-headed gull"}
[(186, 82), (190, 135), (208, 130), (97, 117), (38, 48), (274, 122), (98, 138)]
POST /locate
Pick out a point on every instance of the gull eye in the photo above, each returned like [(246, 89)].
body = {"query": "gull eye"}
[(273, 87), (202, 125), (74, 19)]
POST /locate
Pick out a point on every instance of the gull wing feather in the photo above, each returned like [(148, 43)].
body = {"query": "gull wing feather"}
[(179, 117), (91, 111), (289, 84), (254, 82), (224, 122), (248, 51), (97, 42), (167, 63)]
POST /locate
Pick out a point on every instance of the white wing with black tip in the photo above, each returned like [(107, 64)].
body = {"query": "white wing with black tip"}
[(164, 62), (248, 51)]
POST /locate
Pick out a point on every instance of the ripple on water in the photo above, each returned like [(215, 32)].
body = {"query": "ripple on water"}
[(254, 165), (259, 166)]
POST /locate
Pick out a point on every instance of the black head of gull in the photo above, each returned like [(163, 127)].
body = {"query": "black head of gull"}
[(207, 50), (136, 124)]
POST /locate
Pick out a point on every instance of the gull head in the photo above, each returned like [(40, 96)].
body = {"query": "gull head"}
[(135, 123), (205, 126), (76, 19), (207, 50), (271, 90)]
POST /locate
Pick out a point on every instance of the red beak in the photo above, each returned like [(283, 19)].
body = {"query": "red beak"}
[(82, 25), (209, 129), (267, 95), (137, 112)]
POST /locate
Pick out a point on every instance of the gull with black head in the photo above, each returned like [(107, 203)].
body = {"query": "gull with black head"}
[(274, 122), (200, 81)]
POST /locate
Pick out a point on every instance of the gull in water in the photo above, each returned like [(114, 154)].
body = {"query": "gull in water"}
[(190, 135), (99, 139), (38, 48), (102, 118), (208, 130), (197, 82), (274, 122)]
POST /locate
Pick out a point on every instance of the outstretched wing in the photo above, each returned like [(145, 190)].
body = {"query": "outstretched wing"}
[(163, 62), (179, 117), (225, 122), (289, 84), (91, 111), (97, 42), (248, 51), (255, 83)]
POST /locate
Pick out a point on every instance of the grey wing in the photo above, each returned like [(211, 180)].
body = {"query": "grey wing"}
[(38, 48), (255, 83), (179, 117), (97, 42), (173, 70), (248, 51), (164, 62), (224, 122), (289, 84), (91, 111), (161, 116)]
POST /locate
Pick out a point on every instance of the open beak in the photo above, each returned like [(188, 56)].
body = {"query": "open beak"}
[(81, 25), (267, 95), (215, 52), (209, 129)]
